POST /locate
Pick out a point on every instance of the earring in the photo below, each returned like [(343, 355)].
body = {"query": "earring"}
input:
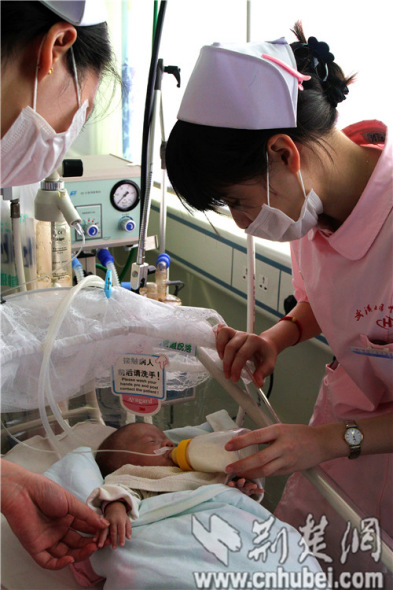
[(50, 71)]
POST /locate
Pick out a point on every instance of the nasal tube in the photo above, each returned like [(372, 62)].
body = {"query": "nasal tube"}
[(207, 452)]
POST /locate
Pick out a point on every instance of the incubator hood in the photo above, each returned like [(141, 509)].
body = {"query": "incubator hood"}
[(93, 333)]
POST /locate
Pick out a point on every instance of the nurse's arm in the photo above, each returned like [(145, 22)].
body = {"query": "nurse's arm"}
[(285, 334), (235, 348), (295, 447), (377, 434)]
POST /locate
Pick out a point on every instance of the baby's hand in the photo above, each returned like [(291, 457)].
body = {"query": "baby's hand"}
[(120, 525), (246, 486)]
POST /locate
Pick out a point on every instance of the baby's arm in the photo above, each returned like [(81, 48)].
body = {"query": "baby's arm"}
[(121, 504), (120, 524)]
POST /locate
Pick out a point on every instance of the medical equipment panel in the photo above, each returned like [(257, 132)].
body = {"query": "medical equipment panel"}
[(107, 198)]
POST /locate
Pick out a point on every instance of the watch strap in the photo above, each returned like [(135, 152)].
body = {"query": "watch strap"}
[(354, 452)]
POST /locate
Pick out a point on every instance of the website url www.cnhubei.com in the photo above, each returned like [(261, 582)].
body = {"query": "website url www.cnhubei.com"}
[(303, 579)]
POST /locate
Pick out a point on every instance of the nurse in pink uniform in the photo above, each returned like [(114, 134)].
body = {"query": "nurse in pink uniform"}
[(256, 131)]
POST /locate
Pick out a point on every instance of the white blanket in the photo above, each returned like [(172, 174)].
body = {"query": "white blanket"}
[(213, 530)]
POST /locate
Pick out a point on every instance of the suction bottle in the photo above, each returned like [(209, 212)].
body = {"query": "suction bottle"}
[(61, 253), (55, 214), (207, 452)]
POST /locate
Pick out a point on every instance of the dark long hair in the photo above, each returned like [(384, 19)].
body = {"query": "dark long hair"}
[(24, 21), (203, 161)]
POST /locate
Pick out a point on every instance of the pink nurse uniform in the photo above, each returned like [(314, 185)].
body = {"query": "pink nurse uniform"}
[(346, 276)]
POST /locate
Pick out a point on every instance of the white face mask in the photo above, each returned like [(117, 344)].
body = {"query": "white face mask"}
[(31, 149), (273, 224)]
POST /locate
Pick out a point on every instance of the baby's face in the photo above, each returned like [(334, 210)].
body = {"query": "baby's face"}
[(147, 438)]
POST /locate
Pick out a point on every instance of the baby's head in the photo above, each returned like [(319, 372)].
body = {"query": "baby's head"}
[(139, 437)]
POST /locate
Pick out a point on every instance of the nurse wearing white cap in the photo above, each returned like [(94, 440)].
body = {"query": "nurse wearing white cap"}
[(256, 131), (53, 56)]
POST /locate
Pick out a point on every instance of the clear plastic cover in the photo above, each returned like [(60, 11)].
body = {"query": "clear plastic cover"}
[(95, 331)]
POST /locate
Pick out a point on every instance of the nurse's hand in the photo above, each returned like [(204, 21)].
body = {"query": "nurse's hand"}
[(289, 448), (235, 348), (45, 517)]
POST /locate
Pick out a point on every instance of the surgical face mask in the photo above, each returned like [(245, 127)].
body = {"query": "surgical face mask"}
[(31, 149), (273, 224)]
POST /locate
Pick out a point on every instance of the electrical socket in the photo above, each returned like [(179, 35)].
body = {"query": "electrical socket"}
[(263, 283), (239, 271), (267, 284)]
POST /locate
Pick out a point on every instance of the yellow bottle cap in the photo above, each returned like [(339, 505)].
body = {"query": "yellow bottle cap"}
[(179, 455)]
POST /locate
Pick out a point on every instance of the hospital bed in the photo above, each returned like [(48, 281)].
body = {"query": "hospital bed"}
[(45, 364)]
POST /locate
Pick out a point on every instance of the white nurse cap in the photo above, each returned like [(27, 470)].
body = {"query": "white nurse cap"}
[(243, 86), (79, 12)]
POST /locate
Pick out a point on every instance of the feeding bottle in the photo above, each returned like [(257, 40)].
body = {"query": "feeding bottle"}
[(207, 452), (162, 266)]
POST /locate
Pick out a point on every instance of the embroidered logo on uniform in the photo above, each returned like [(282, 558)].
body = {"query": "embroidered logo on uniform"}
[(374, 137)]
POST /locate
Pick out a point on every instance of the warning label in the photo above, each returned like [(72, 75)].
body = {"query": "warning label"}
[(140, 374)]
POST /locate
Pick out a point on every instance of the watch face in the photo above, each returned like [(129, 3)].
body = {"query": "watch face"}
[(353, 436), (124, 195)]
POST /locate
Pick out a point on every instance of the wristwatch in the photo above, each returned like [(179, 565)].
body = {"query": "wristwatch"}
[(353, 437)]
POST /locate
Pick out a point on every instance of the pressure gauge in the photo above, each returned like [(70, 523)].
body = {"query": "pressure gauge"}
[(124, 195)]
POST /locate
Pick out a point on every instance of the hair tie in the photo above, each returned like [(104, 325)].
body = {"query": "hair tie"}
[(320, 50), (321, 55)]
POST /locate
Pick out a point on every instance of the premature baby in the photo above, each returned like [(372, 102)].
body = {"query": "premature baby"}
[(130, 477)]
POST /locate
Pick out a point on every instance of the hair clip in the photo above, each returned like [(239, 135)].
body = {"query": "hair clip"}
[(300, 77)]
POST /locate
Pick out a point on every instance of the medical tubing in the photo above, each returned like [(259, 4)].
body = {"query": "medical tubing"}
[(327, 487), (146, 204), (44, 381), (115, 279), (163, 202), (149, 111), (49, 342), (107, 260), (78, 452), (78, 270), (163, 213)]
